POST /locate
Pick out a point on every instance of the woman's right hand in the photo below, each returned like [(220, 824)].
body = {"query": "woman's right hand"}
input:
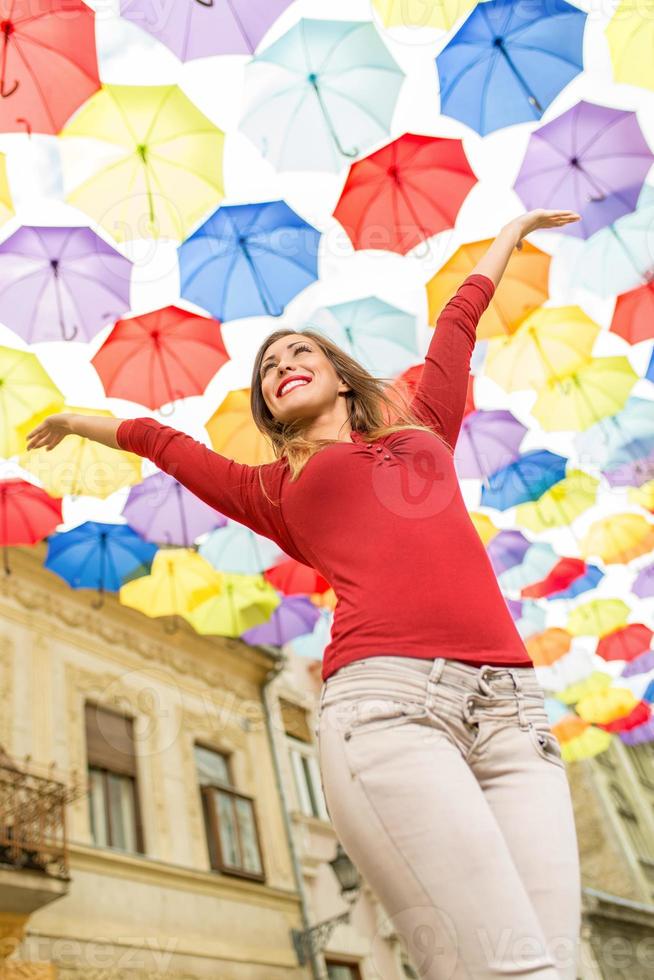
[(51, 431)]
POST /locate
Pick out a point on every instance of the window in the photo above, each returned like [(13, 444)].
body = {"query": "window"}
[(342, 971), (113, 795), (308, 786), (229, 818)]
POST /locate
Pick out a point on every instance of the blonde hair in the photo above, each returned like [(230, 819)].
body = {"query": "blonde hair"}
[(376, 408)]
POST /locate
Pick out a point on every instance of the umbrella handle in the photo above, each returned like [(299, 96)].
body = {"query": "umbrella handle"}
[(170, 625), (4, 93), (206, 3), (99, 602), (5, 558), (64, 335)]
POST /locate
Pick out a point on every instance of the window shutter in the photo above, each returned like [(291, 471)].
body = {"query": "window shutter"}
[(109, 740)]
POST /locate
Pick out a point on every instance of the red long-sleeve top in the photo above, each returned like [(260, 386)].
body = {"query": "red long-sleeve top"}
[(384, 522)]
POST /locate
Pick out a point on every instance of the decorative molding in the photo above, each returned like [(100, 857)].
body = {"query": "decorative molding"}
[(82, 684), (7, 690)]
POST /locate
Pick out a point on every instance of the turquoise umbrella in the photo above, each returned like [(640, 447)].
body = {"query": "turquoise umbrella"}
[(629, 434), (320, 95), (235, 548), (380, 336), (538, 562)]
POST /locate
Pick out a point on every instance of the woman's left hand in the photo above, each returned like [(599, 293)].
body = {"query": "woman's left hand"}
[(541, 218)]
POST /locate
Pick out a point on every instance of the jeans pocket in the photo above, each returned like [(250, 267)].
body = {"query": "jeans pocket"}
[(379, 714), (547, 745)]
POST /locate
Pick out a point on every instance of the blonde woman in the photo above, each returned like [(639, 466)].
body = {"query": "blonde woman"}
[(442, 777)]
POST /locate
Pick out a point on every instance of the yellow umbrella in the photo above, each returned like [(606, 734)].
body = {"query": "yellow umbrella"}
[(597, 617), (166, 172), (484, 526), (242, 602), (595, 683), (603, 707), (6, 203), (561, 504), (522, 289), (178, 577), (27, 395), (422, 13), (82, 466), (549, 342), (630, 36), (580, 740), (233, 433), (580, 398), (643, 496), (619, 538)]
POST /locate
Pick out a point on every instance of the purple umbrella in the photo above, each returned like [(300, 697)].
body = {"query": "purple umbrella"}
[(643, 585), (200, 28), (631, 473), (488, 441), (591, 159), (164, 511), (61, 283), (507, 548), (294, 616), (642, 664)]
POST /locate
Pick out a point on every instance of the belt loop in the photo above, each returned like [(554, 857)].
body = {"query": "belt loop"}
[(437, 670), (522, 716)]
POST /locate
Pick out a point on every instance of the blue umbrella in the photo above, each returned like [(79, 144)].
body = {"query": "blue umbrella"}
[(99, 556), (589, 580), (649, 374), (509, 61), (527, 478), (249, 260)]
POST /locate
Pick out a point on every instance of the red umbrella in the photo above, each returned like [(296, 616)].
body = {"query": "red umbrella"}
[(633, 317), (407, 383), (405, 192), (27, 514), (293, 578), (625, 643), (161, 356), (564, 573), (48, 63)]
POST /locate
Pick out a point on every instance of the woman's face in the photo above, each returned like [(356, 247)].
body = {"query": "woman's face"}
[(316, 387)]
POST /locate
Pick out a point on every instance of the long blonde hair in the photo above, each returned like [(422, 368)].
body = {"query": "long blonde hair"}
[(376, 408)]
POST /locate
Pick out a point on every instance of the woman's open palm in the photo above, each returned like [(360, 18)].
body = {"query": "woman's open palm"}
[(50, 432)]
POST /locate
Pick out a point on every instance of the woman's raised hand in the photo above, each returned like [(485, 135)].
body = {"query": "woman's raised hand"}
[(51, 431), (542, 218)]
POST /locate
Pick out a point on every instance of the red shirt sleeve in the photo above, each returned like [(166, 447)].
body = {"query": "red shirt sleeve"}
[(231, 488), (439, 400)]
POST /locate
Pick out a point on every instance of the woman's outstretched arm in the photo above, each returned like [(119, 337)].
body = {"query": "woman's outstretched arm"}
[(439, 400)]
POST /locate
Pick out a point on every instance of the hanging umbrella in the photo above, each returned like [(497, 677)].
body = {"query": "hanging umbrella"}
[(98, 556), (162, 510), (526, 478), (506, 549), (522, 289), (548, 647), (488, 440), (178, 577), (312, 645), (160, 357), (594, 158), (294, 616), (54, 41), (242, 603), (562, 574), (233, 433), (630, 36), (619, 538), (78, 465), (539, 559), (380, 336), (589, 580), (293, 578), (200, 28), (421, 13), (507, 63), (625, 643), (597, 617), (530, 619), (249, 260), (578, 399), (405, 192), (644, 496), (61, 283), (167, 168), (643, 585), (27, 395), (561, 504), (633, 316), (237, 549), (549, 342), (483, 526), (320, 95), (27, 514), (6, 202), (627, 431)]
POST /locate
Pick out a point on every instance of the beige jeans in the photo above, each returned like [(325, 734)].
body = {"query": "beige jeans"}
[(446, 787)]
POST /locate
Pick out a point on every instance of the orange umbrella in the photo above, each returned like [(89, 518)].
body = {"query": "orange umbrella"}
[(548, 647), (233, 433)]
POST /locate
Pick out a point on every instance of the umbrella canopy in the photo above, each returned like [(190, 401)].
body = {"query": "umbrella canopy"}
[(242, 603), (405, 192), (507, 62), (233, 433), (522, 289), (538, 561), (561, 504), (249, 260), (61, 283), (198, 29), (619, 538), (597, 617), (593, 158), (55, 40), (633, 316), (488, 440), (625, 643), (160, 357), (549, 342), (630, 36), (178, 577), (526, 478), (418, 13), (27, 395), (167, 170), (577, 399), (562, 574), (506, 549), (27, 514), (293, 578), (98, 556), (294, 616), (78, 465), (380, 336), (237, 549), (321, 95), (643, 585), (161, 509), (6, 202), (589, 580)]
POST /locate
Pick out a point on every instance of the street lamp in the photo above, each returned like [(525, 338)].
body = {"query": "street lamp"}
[(313, 940)]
